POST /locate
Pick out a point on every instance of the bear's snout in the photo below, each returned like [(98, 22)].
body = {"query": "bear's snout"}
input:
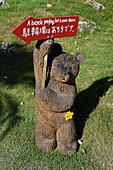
[(66, 78)]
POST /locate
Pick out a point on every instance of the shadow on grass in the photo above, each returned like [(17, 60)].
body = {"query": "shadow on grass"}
[(17, 68), (87, 100), (8, 114)]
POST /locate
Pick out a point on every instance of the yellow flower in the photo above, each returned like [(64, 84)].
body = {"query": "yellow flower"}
[(69, 115)]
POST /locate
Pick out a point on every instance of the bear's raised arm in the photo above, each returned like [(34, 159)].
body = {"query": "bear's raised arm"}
[(41, 49)]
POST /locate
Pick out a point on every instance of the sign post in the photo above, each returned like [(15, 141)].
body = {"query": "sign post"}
[(45, 28)]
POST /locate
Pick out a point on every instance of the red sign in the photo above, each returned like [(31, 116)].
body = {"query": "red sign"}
[(44, 28)]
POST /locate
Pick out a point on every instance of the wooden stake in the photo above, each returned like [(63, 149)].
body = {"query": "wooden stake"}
[(44, 71)]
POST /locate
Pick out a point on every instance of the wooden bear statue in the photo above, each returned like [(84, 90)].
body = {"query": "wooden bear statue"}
[(55, 73)]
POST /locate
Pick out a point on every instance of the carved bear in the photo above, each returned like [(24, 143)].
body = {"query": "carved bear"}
[(56, 97)]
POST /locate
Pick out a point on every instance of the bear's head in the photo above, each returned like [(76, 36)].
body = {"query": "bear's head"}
[(65, 67)]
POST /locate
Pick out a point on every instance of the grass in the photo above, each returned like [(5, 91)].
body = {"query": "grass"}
[(94, 104)]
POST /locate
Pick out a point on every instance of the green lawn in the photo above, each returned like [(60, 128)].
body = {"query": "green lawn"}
[(94, 104)]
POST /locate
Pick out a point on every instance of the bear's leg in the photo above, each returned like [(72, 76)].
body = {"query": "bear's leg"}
[(67, 138), (45, 136)]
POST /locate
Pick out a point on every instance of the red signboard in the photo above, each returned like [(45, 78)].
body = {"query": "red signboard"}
[(44, 28)]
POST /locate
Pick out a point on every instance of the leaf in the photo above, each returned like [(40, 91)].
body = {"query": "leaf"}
[(84, 151), (80, 142), (49, 5), (22, 103)]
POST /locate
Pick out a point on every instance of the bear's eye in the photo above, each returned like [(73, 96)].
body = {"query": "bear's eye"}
[(59, 65), (70, 68)]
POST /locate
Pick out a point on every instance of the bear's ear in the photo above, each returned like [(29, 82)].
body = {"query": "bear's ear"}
[(79, 57)]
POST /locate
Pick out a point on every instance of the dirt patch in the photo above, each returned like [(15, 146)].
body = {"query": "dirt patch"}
[(41, 12)]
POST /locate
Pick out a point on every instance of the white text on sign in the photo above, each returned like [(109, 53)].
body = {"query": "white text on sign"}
[(43, 30)]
